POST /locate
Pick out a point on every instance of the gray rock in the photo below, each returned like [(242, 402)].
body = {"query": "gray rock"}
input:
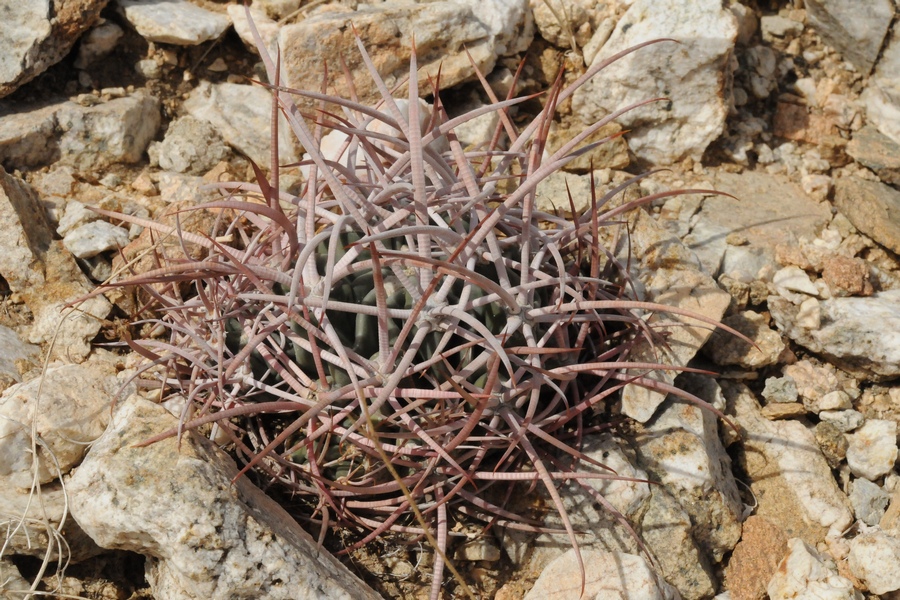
[(854, 29), (174, 21), (242, 115), (844, 420), (872, 149), (191, 146), (859, 335), (11, 580), (869, 501), (872, 207), (805, 574), (28, 256), (479, 549), (12, 350), (38, 33), (666, 530), (204, 536), (692, 74), (608, 575), (116, 131), (873, 449), (780, 389), (76, 215), (90, 239), (875, 560), (788, 474)]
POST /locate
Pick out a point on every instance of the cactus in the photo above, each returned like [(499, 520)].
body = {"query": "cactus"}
[(409, 337)]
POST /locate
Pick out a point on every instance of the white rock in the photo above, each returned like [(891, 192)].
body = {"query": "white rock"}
[(671, 276), (861, 335), (854, 29), (869, 501), (111, 132), (266, 27), (204, 536), (873, 449), (882, 94), (28, 252), (27, 137), (794, 279), (681, 448), (95, 237), (37, 34), (442, 31), (509, 23), (691, 73), (608, 576), (788, 472), (875, 560), (190, 146), (97, 43), (804, 574), (242, 114), (13, 349), (174, 21), (69, 407)]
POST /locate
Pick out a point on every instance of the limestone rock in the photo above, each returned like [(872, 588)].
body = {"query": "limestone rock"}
[(882, 94), (242, 115), (204, 536), (853, 29), (95, 137), (666, 529), (726, 349), (608, 575), (38, 33), (69, 406), (872, 207), (12, 350), (681, 448), (859, 335), (787, 471), (95, 237), (869, 501), (691, 74), (174, 21), (872, 149), (804, 574), (671, 276), (45, 274), (442, 31), (873, 449), (190, 146), (875, 560), (28, 137)]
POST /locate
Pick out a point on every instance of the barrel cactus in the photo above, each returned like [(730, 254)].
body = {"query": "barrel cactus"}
[(409, 337)]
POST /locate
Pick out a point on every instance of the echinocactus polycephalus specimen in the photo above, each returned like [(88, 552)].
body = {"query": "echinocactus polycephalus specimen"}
[(409, 337)]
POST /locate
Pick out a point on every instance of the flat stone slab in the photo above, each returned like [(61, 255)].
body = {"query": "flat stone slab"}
[(872, 207)]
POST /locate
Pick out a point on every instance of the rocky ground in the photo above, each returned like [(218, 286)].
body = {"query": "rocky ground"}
[(788, 108)]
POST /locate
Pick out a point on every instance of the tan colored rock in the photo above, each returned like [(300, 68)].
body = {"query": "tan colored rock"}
[(726, 349), (847, 276), (872, 207), (755, 559)]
